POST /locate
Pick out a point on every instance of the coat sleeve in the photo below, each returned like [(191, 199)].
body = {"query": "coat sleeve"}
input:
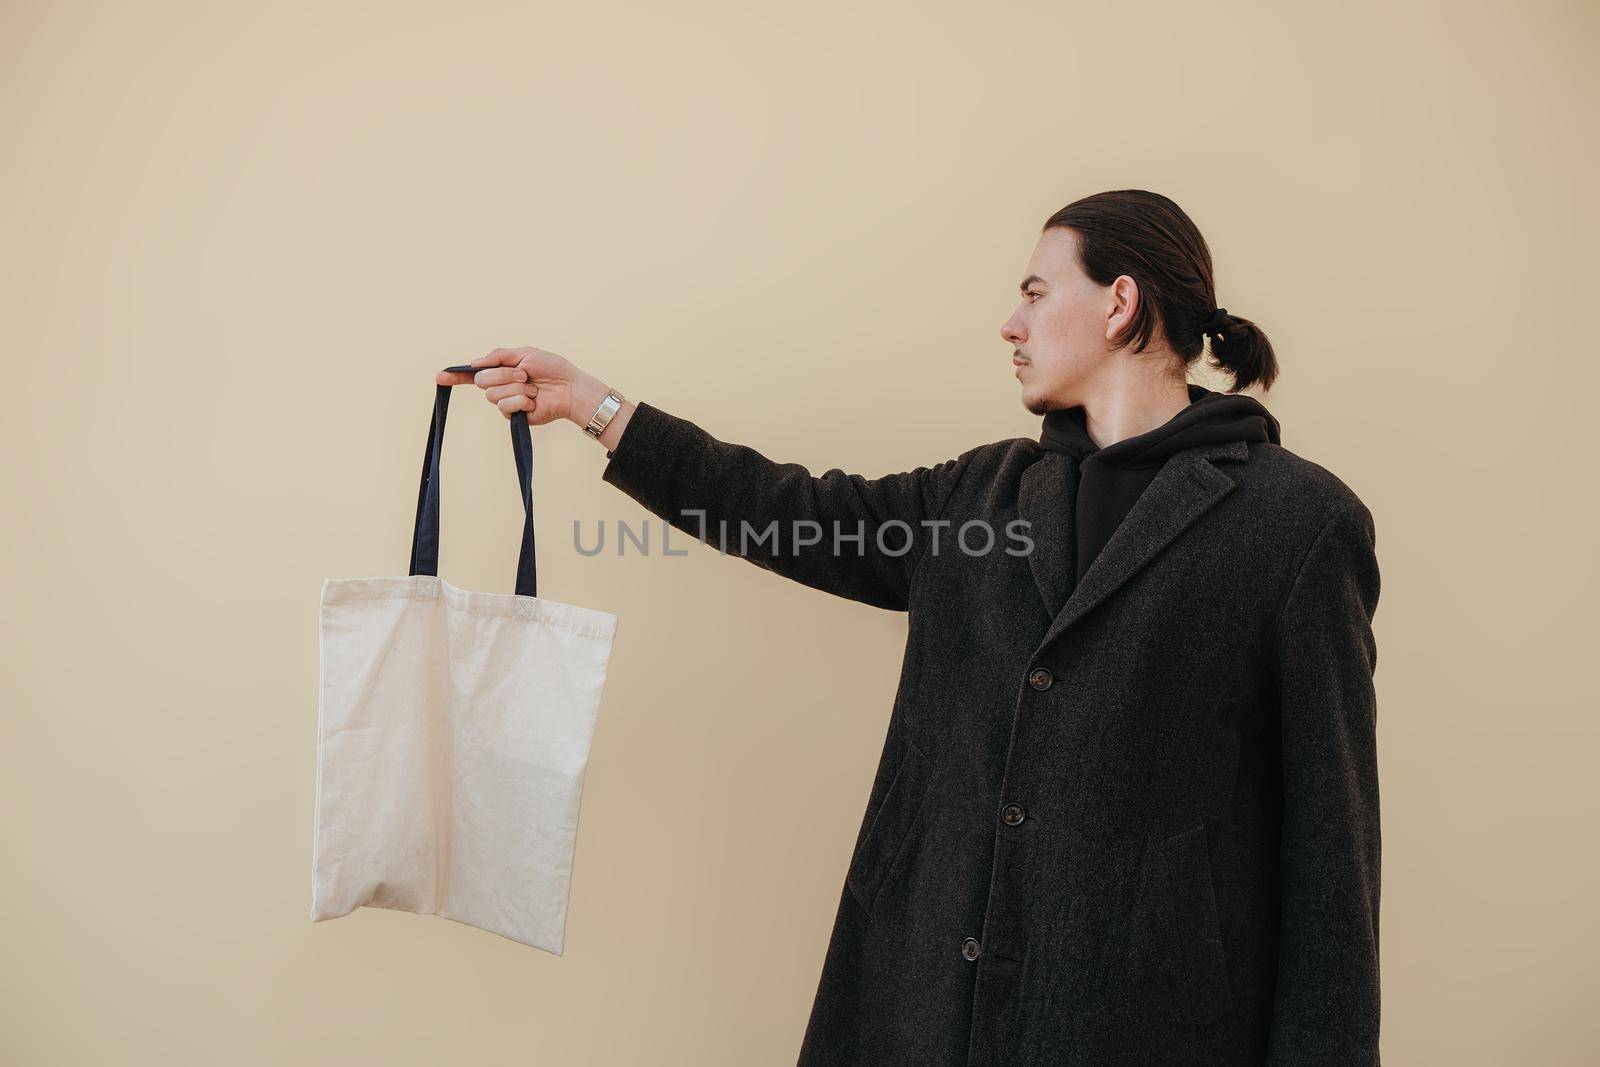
[(777, 515), (1326, 1006)]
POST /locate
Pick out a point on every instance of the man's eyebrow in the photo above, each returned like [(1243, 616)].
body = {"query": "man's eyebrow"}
[(1029, 280)]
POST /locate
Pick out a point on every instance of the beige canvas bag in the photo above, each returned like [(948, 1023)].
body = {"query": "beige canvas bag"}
[(453, 735)]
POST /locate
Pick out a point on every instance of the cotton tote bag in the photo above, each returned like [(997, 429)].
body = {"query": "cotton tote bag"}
[(453, 733)]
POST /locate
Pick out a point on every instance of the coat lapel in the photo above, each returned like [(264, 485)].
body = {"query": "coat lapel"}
[(1044, 500), (1185, 488)]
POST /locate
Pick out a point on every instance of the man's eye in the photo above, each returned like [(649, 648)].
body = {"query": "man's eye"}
[(1032, 294)]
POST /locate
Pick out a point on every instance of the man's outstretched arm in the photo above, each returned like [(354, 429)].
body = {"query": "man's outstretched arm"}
[(855, 537)]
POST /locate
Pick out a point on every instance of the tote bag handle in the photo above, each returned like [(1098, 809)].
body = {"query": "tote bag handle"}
[(425, 536)]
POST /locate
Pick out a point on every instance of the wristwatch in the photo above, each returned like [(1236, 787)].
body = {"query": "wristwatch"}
[(602, 416)]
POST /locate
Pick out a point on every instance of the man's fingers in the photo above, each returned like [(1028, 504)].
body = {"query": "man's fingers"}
[(497, 375), (495, 393), (510, 405), (500, 357)]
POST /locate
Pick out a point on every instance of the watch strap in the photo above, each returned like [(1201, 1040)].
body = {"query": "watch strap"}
[(604, 413)]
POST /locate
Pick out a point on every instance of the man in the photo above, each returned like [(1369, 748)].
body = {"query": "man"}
[(1127, 808)]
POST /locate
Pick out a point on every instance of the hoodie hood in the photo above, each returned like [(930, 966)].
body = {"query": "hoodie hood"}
[(1210, 418), (1110, 479)]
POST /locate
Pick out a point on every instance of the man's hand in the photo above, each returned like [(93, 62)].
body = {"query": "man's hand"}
[(547, 386), (525, 379)]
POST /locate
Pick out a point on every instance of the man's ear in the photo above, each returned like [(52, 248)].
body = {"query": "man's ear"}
[(1122, 304)]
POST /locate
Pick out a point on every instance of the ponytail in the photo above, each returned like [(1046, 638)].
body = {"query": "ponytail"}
[(1239, 347)]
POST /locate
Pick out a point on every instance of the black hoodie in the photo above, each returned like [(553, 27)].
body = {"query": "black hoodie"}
[(1110, 479)]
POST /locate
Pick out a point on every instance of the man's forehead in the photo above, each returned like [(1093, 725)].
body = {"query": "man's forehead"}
[(1052, 258)]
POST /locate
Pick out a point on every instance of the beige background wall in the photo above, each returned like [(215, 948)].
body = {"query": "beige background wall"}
[(239, 239)]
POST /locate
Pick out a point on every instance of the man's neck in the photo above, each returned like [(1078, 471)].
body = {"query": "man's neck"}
[(1116, 410)]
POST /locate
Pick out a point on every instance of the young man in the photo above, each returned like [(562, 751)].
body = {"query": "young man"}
[(1127, 808)]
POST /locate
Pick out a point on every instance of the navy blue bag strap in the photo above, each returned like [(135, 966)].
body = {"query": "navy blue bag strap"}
[(425, 536)]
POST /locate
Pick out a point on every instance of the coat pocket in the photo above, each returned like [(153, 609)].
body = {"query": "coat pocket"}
[(1177, 932), (882, 845)]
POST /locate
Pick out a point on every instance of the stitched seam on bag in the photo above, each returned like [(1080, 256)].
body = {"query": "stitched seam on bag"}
[(585, 631)]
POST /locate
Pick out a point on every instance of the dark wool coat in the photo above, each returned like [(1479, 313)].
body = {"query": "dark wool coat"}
[(1131, 821)]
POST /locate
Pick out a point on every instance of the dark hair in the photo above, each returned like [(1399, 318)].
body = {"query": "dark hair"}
[(1149, 238)]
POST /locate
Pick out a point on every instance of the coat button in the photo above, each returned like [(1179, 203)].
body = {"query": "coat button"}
[(1040, 678), (1012, 814), (969, 948)]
